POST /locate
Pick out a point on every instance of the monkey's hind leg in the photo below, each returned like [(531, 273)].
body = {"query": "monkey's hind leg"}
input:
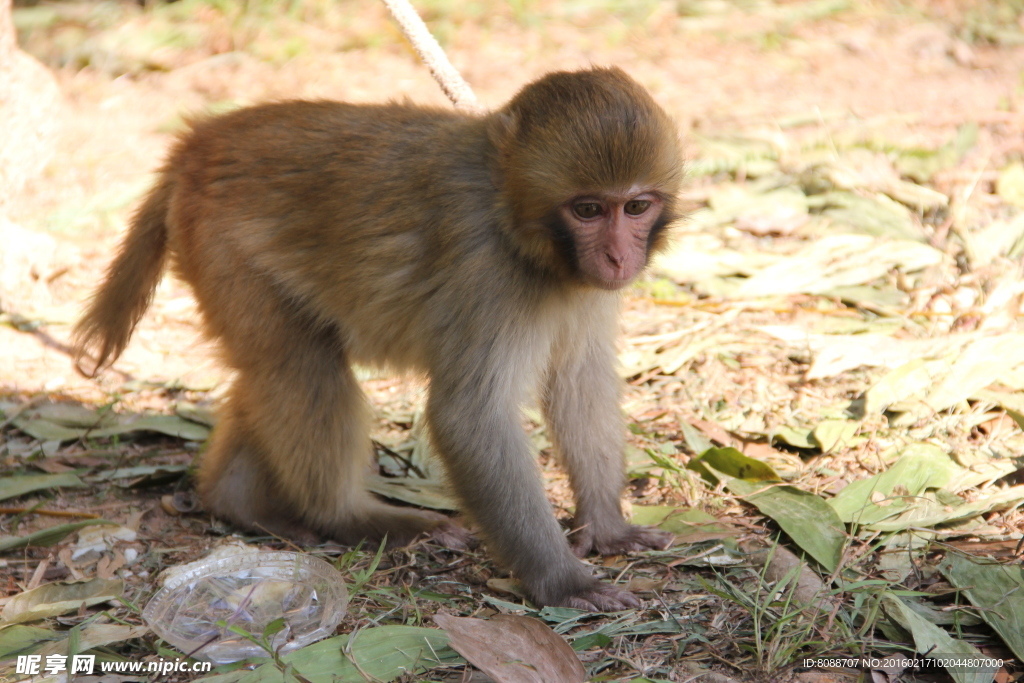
[(235, 486), (293, 448)]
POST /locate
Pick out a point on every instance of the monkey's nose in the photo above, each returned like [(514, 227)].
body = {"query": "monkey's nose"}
[(615, 260)]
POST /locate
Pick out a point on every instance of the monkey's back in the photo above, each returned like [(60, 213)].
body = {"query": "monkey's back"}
[(377, 219)]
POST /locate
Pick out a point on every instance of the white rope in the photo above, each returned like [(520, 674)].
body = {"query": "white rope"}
[(427, 47)]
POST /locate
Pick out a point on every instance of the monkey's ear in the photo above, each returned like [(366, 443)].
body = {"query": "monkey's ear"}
[(504, 128), (502, 133)]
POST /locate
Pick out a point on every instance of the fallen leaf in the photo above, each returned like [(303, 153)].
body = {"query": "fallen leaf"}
[(838, 261), (834, 354), (835, 434), (782, 565), (981, 363), (929, 638), (47, 537), (506, 586), (1010, 184), (805, 517), (872, 499), (12, 487), (378, 654), (998, 589), (94, 635), (513, 649), (909, 380), (428, 493), (730, 461), (59, 597)]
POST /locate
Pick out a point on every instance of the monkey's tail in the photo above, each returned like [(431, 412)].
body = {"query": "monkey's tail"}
[(122, 299)]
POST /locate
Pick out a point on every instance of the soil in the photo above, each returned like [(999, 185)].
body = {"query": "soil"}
[(890, 65)]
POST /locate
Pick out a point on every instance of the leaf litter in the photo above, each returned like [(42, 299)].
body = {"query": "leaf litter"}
[(826, 402)]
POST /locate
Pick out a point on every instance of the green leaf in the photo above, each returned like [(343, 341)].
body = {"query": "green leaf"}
[(564, 617), (797, 438), (941, 507), (692, 525), (171, 425), (694, 438), (21, 639), (67, 424), (44, 430), (650, 627), (12, 487), (651, 515), (806, 518), (998, 589), (999, 238), (929, 638), (919, 468), (276, 626), (590, 640), (730, 461), (384, 653), (833, 434), (92, 635), (47, 537)]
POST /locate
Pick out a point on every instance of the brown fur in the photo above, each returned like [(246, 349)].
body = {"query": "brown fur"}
[(318, 234)]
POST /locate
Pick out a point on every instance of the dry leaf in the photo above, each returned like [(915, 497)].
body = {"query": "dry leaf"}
[(834, 354), (838, 261), (513, 649), (506, 586), (60, 597), (109, 565), (643, 584), (979, 364)]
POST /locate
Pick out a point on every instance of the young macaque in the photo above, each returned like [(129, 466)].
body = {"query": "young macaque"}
[(486, 251)]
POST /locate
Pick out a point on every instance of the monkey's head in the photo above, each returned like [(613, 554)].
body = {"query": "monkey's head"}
[(590, 167)]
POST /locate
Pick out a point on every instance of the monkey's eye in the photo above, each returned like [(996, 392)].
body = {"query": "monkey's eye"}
[(587, 210), (636, 207)]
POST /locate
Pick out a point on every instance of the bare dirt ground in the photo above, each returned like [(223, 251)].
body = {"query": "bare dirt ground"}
[(793, 75), (889, 64)]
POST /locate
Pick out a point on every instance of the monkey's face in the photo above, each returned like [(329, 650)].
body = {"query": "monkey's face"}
[(611, 234), (589, 166)]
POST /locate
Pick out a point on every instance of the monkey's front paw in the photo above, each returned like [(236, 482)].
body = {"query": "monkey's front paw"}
[(631, 539), (602, 597)]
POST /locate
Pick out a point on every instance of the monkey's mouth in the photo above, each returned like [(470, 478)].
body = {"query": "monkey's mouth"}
[(607, 283), (611, 276)]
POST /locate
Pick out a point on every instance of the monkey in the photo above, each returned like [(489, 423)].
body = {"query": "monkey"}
[(486, 251)]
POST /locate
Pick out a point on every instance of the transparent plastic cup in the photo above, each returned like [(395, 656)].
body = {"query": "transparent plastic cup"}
[(248, 591)]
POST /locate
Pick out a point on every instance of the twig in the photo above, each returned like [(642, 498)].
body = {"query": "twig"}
[(446, 75)]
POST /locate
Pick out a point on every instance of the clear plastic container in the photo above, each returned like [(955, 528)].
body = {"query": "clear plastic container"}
[(248, 591)]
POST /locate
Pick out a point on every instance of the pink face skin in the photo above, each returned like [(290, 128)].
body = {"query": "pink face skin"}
[(611, 232)]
